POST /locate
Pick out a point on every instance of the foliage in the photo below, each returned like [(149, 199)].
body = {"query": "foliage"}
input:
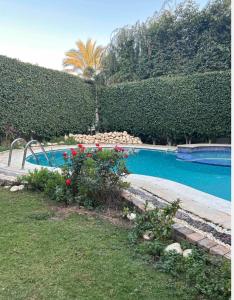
[(175, 107), (86, 60), (44, 180), (158, 221), (207, 276), (182, 41), (94, 177), (90, 177), (203, 274), (41, 103), (70, 141)]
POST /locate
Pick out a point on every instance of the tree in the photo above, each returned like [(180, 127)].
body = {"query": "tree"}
[(85, 60), (180, 39)]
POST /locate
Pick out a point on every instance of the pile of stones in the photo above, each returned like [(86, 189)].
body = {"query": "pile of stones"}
[(105, 138)]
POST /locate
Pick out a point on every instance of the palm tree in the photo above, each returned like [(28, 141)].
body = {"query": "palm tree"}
[(86, 60)]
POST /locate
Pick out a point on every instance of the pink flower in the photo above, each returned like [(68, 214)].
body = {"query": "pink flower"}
[(99, 148), (118, 149), (80, 146), (65, 155), (89, 155), (82, 149), (97, 145), (125, 155)]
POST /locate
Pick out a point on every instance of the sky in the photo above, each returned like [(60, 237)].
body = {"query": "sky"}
[(41, 31)]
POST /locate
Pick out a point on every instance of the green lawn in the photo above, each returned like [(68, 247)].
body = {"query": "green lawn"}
[(79, 257)]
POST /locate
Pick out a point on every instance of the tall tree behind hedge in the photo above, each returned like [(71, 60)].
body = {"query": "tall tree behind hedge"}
[(181, 42)]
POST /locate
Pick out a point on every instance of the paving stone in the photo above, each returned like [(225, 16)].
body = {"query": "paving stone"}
[(179, 233), (219, 250), (206, 244), (194, 237), (183, 231), (228, 255), (176, 226)]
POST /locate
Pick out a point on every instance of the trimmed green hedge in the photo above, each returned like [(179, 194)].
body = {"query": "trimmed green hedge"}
[(197, 105), (41, 102)]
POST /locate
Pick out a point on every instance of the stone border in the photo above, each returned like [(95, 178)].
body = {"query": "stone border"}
[(181, 232)]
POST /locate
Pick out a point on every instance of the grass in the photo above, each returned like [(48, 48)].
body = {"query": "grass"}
[(78, 257), (3, 148)]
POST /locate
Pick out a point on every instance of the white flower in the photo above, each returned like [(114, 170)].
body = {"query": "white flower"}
[(131, 216)]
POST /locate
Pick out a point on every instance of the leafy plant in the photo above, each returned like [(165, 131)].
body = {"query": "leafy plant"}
[(181, 41), (44, 180), (94, 176), (70, 141), (202, 273), (158, 221), (90, 177), (86, 60)]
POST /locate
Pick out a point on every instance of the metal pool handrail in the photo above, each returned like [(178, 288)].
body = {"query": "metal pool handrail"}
[(28, 145), (12, 146)]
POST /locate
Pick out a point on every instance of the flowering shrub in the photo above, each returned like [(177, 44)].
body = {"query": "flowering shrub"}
[(93, 176), (90, 177)]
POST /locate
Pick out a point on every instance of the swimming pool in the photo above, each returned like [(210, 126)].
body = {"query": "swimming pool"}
[(212, 179), (212, 155)]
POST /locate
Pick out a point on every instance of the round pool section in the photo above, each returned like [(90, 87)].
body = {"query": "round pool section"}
[(212, 155), (212, 179)]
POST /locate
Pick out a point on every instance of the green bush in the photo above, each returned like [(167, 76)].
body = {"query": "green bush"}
[(177, 107), (205, 275), (91, 177), (158, 221), (45, 181), (43, 103), (94, 176)]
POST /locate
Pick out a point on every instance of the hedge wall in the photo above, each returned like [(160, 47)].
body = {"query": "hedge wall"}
[(43, 102), (174, 107)]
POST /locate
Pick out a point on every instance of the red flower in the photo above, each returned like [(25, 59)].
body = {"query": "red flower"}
[(65, 155), (68, 182), (80, 146), (89, 155), (99, 148), (73, 152), (97, 145)]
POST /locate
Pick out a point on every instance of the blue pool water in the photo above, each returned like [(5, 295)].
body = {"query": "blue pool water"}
[(219, 157), (212, 179)]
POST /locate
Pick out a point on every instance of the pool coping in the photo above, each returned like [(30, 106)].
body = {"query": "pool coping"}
[(211, 208)]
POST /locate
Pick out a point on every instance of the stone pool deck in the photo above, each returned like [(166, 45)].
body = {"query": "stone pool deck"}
[(199, 206)]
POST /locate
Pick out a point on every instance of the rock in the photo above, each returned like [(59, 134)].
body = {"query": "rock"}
[(174, 247), (148, 236), (187, 252), (150, 206), (131, 216), (16, 188), (105, 138)]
